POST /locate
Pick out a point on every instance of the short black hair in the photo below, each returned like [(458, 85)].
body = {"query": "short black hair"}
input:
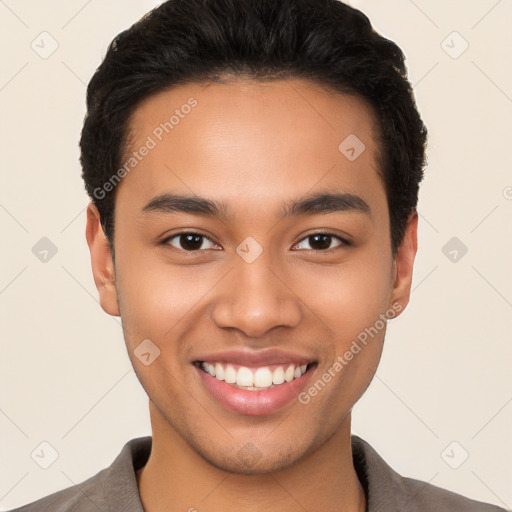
[(194, 41)]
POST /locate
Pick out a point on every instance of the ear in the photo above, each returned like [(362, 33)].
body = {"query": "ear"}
[(403, 264), (101, 261)]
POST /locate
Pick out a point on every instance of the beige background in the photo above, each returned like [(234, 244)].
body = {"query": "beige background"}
[(65, 377)]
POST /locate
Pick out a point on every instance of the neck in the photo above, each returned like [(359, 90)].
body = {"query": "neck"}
[(177, 478)]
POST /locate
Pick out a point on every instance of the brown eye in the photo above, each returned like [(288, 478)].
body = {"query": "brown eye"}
[(188, 241), (322, 241)]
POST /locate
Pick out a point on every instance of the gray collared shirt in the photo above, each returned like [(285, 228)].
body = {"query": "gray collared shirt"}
[(114, 489)]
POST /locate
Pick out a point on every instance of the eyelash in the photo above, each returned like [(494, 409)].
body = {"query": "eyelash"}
[(344, 242)]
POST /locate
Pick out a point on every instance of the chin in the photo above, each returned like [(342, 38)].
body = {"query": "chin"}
[(249, 460)]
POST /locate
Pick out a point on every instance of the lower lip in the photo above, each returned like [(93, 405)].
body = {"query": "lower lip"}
[(254, 403)]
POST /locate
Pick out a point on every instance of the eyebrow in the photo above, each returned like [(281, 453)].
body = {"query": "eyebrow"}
[(317, 204)]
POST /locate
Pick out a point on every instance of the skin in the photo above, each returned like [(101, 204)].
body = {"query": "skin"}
[(253, 146)]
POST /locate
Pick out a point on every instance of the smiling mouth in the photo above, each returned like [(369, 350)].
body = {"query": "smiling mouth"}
[(254, 378)]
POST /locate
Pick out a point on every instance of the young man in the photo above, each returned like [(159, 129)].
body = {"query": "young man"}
[(253, 167)]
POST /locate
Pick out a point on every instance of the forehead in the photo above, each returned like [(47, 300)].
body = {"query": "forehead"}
[(244, 140)]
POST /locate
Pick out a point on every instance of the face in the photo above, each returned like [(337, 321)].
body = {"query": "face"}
[(283, 261)]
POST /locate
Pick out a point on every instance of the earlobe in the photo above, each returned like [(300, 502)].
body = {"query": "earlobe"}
[(101, 261), (404, 263)]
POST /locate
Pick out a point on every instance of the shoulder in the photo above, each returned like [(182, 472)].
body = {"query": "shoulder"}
[(113, 488), (84, 497), (421, 496), (388, 491)]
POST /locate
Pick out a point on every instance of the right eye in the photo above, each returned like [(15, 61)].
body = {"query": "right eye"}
[(187, 241)]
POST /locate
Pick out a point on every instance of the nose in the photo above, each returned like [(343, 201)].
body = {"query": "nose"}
[(255, 297)]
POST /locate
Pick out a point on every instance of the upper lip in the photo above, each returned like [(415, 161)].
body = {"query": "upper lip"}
[(256, 358)]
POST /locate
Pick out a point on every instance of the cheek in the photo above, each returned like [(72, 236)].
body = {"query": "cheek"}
[(155, 297), (348, 297), (351, 304)]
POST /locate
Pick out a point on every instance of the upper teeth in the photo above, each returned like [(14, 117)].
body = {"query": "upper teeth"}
[(246, 377)]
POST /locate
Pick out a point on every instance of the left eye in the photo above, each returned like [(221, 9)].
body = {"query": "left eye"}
[(322, 241), (191, 242)]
